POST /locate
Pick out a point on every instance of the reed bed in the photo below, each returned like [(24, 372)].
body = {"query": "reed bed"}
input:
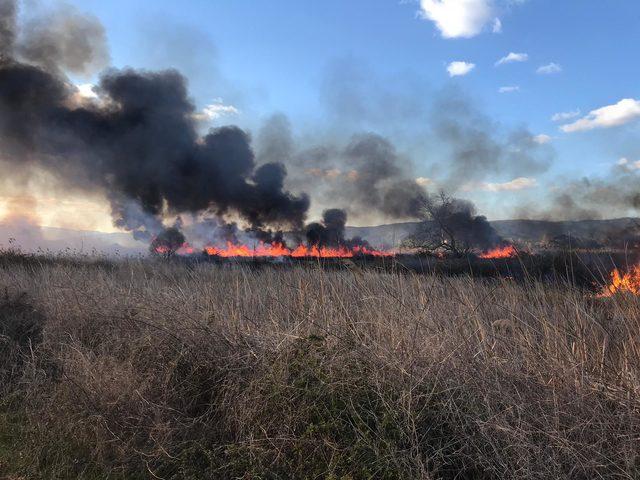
[(156, 369)]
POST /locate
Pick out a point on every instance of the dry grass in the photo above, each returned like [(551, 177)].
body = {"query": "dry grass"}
[(159, 370)]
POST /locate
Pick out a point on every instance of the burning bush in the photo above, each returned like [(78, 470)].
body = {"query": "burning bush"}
[(167, 243)]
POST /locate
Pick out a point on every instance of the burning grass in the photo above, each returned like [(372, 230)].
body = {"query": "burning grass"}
[(153, 369), (627, 282), (505, 251)]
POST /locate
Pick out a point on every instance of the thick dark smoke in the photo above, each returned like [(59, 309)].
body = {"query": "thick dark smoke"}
[(138, 142), (330, 232)]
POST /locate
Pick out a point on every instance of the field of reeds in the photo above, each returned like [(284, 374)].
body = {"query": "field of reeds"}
[(160, 369)]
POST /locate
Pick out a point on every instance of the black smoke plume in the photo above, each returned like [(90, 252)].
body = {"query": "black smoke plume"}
[(137, 141), (330, 232)]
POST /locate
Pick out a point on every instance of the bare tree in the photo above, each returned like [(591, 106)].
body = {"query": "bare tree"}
[(450, 226)]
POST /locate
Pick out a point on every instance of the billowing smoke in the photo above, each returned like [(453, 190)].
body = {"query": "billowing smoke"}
[(330, 232), (378, 181), (137, 141), (366, 173)]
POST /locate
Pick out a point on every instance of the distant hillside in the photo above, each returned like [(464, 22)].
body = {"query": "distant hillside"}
[(32, 238), (515, 230)]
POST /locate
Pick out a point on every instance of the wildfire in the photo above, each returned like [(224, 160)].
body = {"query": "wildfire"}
[(279, 250), (507, 251), (623, 282)]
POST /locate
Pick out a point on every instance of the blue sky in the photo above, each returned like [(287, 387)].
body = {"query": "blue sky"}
[(262, 57)]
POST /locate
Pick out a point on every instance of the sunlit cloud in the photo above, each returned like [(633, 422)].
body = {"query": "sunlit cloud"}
[(216, 110), (457, 69), (625, 111), (459, 18), (513, 57), (520, 183)]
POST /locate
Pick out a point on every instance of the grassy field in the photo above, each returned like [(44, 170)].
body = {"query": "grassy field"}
[(154, 369)]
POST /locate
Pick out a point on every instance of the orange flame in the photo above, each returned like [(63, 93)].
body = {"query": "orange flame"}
[(185, 249), (508, 251), (279, 250), (623, 282)]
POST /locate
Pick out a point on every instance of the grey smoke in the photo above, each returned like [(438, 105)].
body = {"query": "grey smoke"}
[(64, 39), (477, 149), (7, 27)]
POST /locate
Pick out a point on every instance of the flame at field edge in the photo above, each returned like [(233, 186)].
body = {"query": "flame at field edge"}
[(302, 251), (627, 282), (506, 251)]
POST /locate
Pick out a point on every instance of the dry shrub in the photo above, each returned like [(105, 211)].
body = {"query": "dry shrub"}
[(163, 370)]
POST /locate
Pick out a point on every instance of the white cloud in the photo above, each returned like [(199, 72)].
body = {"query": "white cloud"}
[(215, 111), (456, 69), (509, 89), (549, 69), (424, 181), (458, 18), (519, 183), (562, 116), (627, 164), (513, 57), (542, 139), (497, 26), (614, 115)]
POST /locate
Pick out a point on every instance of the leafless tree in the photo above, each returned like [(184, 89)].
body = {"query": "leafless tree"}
[(450, 226)]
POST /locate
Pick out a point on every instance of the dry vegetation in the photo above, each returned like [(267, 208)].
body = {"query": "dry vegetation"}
[(150, 369)]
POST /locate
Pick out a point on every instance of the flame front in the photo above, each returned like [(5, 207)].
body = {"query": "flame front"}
[(508, 251), (623, 282), (279, 250)]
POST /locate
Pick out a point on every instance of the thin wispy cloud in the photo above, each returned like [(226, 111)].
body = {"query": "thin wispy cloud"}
[(215, 111), (549, 69), (512, 57), (625, 111), (563, 116), (520, 183), (457, 69), (509, 89), (458, 18), (542, 139), (497, 26)]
